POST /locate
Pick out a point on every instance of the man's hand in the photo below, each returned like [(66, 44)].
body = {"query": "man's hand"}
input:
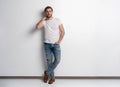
[(58, 42), (44, 18), (39, 25)]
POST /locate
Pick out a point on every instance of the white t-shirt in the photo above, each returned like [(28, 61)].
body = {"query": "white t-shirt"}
[(51, 30)]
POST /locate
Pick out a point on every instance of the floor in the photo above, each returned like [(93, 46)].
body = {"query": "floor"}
[(60, 83)]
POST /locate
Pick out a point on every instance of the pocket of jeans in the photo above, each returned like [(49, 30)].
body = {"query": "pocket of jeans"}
[(57, 45)]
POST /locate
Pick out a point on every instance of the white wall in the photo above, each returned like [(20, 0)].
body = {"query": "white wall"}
[(90, 46)]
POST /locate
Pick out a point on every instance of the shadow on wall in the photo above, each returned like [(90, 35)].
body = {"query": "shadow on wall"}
[(41, 51)]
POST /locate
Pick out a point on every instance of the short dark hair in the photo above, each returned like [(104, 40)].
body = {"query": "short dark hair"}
[(48, 7)]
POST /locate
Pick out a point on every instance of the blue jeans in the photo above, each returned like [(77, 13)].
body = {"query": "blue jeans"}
[(53, 56)]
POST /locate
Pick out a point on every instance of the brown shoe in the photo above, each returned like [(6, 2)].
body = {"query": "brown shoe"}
[(46, 76), (51, 80)]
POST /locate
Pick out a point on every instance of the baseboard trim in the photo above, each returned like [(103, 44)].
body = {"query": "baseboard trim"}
[(61, 77)]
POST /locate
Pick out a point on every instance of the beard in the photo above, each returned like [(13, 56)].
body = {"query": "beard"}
[(49, 16)]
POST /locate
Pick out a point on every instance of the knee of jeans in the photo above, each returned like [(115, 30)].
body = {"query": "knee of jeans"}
[(48, 60), (57, 60)]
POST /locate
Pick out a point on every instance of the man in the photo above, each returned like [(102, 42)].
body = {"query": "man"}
[(54, 33)]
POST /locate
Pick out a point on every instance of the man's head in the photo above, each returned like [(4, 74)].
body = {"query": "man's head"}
[(48, 11)]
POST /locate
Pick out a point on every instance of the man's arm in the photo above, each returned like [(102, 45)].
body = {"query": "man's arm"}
[(39, 25), (62, 33)]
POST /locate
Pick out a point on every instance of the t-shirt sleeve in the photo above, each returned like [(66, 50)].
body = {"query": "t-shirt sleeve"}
[(59, 22)]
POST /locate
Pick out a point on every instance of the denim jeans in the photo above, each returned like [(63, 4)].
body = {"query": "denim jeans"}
[(53, 56)]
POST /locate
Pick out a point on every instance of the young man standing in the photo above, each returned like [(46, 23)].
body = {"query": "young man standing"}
[(54, 33)]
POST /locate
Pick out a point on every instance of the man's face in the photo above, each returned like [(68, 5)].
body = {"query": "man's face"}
[(49, 12)]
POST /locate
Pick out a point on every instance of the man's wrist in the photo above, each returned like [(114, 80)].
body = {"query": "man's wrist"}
[(59, 41), (42, 20)]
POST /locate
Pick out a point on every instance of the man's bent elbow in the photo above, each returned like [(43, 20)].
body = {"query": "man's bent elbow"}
[(37, 27)]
